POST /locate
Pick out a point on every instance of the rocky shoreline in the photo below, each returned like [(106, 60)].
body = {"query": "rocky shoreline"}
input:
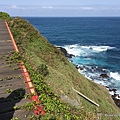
[(115, 96), (113, 92)]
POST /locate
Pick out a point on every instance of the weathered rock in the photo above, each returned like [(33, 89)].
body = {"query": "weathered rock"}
[(65, 52), (70, 55), (114, 90), (78, 67), (115, 97), (67, 99), (104, 75), (117, 101)]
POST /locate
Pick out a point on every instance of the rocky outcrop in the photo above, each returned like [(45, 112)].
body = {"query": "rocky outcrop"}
[(63, 50), (114, 95), (79, 67), (104, 75)]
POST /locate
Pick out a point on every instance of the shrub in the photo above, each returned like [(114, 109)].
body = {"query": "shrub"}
[(43, 70), (4, 15)]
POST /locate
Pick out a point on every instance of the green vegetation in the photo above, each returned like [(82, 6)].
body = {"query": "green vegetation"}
[(54, 76), (4, 16), (42, 69), (1, 79)]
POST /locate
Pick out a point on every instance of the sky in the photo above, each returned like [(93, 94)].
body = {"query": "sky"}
[(61, 8)]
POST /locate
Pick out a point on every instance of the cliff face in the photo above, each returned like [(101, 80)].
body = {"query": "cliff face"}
[(56, 76)]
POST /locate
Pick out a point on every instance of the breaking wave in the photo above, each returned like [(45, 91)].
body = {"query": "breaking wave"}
[(115, 75), (78, 50), (93, 62)]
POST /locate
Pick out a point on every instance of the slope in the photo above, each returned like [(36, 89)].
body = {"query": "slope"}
[(54, 76)]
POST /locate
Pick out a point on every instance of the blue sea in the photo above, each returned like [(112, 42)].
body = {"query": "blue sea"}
[(95, 42)]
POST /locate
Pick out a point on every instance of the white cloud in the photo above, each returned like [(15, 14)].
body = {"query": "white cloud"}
[(67, 10), (86, 8), (16, 7), (47, 7)]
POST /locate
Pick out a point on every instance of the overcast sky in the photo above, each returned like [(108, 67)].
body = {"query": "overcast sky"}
[(61, 8)]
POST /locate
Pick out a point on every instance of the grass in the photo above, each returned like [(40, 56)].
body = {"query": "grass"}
[(62, 76)]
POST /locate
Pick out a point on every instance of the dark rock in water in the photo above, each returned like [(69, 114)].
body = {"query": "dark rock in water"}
[(70, 55), (65, 52), (107, 87), (81, 68), (104, 75), (117, 101), (78, 67), (114, 90), (115, 96)]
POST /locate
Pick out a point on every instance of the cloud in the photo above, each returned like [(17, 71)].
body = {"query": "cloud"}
[(47, 7), (67, 7), (61, 10), (84, 8), (14, 7)]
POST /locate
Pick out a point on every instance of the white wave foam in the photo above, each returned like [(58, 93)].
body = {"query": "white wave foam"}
[(100, 82), (98, 48), (74, 49), (115, 75), (111, 93), (79, 50)]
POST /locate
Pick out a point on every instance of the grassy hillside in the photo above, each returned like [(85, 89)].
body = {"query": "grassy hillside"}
[(54, 76)]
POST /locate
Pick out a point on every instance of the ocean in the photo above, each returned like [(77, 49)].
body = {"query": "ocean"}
[(95, 42)]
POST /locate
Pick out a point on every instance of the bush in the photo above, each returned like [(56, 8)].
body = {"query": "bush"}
[(43, 70), (4, 15)]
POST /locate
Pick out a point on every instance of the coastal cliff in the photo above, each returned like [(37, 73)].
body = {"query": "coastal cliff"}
[(54, 76)]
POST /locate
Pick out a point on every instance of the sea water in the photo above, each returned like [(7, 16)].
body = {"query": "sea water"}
[(95, 42)]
